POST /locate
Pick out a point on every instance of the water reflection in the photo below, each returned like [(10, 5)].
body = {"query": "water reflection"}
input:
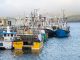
[(17, 52)]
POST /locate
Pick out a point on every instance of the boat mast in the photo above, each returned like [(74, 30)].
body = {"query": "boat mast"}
[(63, 16)]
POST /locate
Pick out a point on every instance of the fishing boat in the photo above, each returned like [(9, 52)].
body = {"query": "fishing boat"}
[(49, 32), (7, 40), (29, 42), (63, 28), (50, 29)]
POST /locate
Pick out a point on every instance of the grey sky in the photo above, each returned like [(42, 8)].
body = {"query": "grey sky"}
[(50, 7)]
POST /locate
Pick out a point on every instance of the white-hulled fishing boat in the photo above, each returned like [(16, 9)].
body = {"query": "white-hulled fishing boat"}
[(8, 37)]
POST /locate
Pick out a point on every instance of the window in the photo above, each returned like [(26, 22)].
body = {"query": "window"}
[(8, 34), (4, 34), (9, 23), (11, 35)]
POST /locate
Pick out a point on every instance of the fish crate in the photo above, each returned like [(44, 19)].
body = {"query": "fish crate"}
[(18, 45)]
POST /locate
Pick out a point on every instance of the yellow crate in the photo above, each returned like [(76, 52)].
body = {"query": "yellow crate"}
[(18, 45), (37, 45)]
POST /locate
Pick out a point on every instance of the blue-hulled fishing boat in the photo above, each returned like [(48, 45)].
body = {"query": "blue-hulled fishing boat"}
[(63, 29)]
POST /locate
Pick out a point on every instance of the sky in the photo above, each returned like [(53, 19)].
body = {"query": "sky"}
[(13, 8)]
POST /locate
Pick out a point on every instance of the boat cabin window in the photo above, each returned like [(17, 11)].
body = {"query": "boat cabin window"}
[(8, 34), (11, 35), (4, 35), (9, 23)]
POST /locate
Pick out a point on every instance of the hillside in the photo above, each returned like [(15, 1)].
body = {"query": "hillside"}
[(73, 18)]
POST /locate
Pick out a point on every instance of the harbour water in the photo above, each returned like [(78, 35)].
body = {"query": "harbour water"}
[(54, 48)]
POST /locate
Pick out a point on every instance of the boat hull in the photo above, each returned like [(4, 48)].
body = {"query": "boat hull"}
[(62, 33), (50, 33)]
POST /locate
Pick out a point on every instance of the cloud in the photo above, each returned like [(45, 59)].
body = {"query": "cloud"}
[(22, 7)]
